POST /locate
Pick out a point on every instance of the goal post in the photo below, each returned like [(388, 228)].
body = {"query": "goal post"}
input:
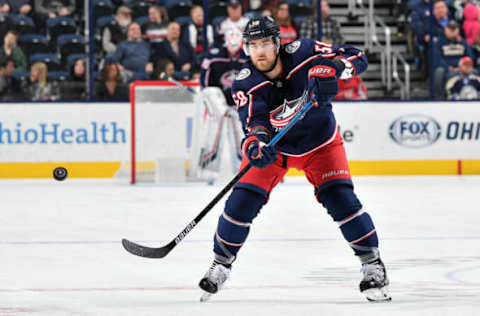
[(162, 128)]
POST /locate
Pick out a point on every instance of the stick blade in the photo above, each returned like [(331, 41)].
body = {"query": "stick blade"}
[(143, 251)]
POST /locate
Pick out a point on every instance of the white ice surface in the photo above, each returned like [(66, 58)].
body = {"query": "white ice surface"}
[(60, 251)]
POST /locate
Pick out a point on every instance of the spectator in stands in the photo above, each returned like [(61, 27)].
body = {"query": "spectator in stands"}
[(259, 5), (234, 19), (175, 50), (420, 20), (400, 10), (116, 32), (134, 53), (123, 2), (352, 89), (48, 9), (193, 32), (458, 7), (155, 29), (266, 12), (163, 69), (471, 25), (4, 7), (448, 51), (37, 88), (476, 50), (465, 85), (330, 28), (6, 24), (282, 16), (16, 6), (10, 49), (14, 85), (74, 87), (3, 77), (110, 86)]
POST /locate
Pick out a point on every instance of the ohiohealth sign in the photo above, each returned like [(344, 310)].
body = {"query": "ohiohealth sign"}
[(56, 133), (64, 132)]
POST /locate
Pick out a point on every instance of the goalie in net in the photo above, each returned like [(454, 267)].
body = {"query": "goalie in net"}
[(217, 117)]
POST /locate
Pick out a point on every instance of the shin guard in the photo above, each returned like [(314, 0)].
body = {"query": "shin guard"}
[(356, 225), (233, 227)]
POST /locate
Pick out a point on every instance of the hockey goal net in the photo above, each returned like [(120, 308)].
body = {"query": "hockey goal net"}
[(161, 133)]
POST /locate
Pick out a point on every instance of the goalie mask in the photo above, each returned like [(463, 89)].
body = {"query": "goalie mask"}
[(233, 40)]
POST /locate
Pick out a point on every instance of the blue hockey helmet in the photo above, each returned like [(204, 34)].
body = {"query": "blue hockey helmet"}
[(261, 28)]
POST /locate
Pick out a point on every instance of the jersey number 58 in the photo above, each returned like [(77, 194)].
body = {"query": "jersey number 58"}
[(240, 99)]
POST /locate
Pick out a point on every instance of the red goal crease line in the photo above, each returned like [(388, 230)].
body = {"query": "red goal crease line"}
[(108, 169)]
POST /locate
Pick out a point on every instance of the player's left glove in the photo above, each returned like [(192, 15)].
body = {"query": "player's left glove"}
[(322, 81), (345, 68)]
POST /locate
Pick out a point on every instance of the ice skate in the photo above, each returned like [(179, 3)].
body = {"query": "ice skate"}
[(375, 282), (213, 280)]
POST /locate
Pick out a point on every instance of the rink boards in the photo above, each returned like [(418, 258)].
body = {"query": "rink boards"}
[(92, 140)]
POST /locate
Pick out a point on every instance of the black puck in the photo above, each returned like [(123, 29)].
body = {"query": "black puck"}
[(60, 173)]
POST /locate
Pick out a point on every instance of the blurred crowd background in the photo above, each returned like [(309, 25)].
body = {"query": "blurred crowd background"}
[(44, 57)]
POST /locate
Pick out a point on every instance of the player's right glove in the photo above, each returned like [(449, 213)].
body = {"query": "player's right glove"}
[(258, 153), (322, 81)]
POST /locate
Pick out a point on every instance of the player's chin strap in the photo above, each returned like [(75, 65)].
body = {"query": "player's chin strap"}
[(273, 66)]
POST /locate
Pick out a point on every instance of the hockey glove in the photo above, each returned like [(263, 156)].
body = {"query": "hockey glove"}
[(258, 153), (345, 68), (322, 81)]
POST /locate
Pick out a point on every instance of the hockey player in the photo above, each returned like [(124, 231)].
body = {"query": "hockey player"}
[(269, 90), (217, 113), (222, 64)]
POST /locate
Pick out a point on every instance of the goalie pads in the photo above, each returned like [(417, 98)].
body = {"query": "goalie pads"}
[(215, 121)]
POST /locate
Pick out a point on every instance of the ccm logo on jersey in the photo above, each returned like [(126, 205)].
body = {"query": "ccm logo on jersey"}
[(321, 71)]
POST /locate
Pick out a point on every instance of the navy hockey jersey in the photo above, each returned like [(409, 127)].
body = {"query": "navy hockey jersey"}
[(219, 70), (270, 104), (463, 88)]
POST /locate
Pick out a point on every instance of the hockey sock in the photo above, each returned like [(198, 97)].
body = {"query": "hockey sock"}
[(241, 208), (356, 225)]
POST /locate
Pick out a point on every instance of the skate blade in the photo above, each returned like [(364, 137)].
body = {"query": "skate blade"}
[(378, 295), (205, 297)]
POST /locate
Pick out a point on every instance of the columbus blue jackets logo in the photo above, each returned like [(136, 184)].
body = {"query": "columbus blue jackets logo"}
[(227, 78), (280, 117), (292, 47), (415, 131)]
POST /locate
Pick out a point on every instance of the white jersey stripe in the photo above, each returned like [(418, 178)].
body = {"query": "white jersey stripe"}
[(306, 61), (349, 218), (226, 242), (363, 237), (234, 221)]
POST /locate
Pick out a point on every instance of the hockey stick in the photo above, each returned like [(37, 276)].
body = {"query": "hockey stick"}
[(161, 252)]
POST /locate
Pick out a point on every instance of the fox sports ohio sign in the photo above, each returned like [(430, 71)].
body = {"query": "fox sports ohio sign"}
[(415, 130)]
